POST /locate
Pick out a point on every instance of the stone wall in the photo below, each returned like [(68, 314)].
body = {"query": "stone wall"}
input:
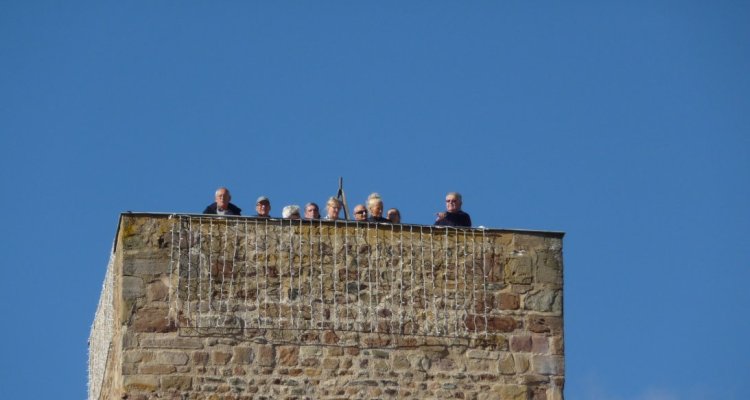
[(241, 308)]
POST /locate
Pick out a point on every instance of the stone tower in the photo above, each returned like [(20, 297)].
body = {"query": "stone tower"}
[(205, 307)]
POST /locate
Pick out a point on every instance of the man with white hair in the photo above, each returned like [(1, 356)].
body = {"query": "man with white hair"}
[(453, 215), (222, 206)]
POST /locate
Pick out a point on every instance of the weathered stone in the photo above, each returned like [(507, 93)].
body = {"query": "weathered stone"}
[(176, 382), (266, 356), (507, 365), (157, 291), (544, 300), (544, 324), (401, 362), (330, 337), (242, 355), (509, 301), (152, 320), (144, 383), (171, 343), (548, 365), (330, 363), (132, 287), (157, 369), (521, 343), (288, 355), (540, 344), (171, 358), (519, 270), (522, 363), (220, 357), (482, 354)]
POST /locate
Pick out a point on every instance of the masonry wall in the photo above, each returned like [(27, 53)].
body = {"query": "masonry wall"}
[(239, 308)]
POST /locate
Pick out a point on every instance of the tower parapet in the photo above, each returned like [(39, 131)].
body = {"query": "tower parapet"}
[(234, 307)]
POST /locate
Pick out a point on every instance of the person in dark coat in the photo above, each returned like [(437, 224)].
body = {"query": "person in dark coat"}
[(222, 206), (453, 215)]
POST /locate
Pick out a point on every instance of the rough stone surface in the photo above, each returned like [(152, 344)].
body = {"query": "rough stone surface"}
[(505, 344)]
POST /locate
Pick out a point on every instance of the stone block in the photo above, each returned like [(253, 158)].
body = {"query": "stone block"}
[(171, 342), (557, 345), (548, 365), (401, 362), (171, 358), (151, 265), (200, 358), (242, 355), (152, 319), (220, 357), (157, 291), (544, 324), (288, 355), (520, 343), (330, 363), (544, 300), (132, 287), (157, 369), (506, 364), (509, 301), (518, 270), (522, 363), (144, 383), (539, 344), (266, 356), (176, 382), (482, 354)]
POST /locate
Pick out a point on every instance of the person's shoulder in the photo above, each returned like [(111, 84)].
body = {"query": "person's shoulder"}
[(210, 209), (234, 209)]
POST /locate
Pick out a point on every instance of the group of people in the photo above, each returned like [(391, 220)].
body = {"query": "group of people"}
[(371, 211)]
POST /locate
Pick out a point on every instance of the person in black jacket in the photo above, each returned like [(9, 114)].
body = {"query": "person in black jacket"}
[(453, 215), (222, 206)]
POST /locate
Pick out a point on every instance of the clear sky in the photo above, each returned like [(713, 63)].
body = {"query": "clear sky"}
[(625, 124)]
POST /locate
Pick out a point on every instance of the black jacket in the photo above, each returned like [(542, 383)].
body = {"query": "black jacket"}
[(231, 210), (459, 218)]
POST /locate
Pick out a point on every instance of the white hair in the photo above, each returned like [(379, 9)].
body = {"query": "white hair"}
[(290, 210)]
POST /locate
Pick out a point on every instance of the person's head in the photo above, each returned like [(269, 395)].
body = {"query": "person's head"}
[(222, 198), (291, 212), (333, 206), (263, 206), (375, 205), (394, 215), (360, 212), (312, 211), (453, 202)]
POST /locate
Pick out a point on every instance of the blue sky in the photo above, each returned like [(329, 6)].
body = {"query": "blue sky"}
[(624, 124)]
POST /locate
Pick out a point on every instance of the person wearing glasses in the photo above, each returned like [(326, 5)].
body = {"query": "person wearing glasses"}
[(263, 207), (375, 205), (360, 212), (453, 215)]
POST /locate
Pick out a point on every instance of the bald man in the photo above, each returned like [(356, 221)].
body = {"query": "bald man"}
[(222, 206)]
